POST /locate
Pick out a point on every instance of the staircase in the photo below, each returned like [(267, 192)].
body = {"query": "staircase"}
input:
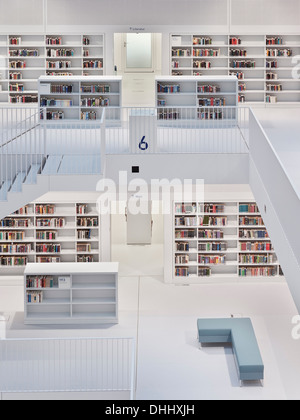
[(37, 158)]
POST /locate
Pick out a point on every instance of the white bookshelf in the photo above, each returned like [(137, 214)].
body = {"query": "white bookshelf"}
[(220, 240), (224, 58), (80, 97), (22, 63), (64, 235), (88, 294), (196, 98)]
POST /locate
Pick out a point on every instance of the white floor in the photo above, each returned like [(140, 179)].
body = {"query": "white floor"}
[(163, 320)]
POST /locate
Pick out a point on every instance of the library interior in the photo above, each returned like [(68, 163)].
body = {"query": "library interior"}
[(149, 187)]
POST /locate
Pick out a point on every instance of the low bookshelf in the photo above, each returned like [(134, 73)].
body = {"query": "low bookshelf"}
[(195, 98), (71, 294), (221, 241), (73, 98)]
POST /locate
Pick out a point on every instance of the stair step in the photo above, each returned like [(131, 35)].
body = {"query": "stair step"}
[(4, 190), (32, 174), (80, 165), (52, 165), (18, 181)]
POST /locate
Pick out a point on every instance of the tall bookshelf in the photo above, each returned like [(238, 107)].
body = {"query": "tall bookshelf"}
[(79, 97), (263, 69), (64, 232), (24, 58), (221, 241)]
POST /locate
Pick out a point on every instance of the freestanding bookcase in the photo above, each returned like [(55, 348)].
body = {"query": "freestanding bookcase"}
[(69, 293)]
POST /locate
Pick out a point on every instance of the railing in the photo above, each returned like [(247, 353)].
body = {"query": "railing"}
[(177, 130), (67, 365), (55, 147)]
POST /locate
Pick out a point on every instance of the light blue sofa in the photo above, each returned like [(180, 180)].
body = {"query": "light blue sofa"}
[(240, 333)]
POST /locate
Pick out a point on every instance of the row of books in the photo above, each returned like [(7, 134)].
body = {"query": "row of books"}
[(185, 208), (84, 234), (256, 246), (211, 101), (238, 74), (63, 52), (274, 52), (22, 211), (241, 98), (182, 246), (88, 116), (257, 271), (181, 52), (210, 234), (16, 40), (271, 76), (13, 261), (200, 64), (34, 297), (186, 221), (53, 115), (272, 64), (48, 248), (212, 246), (274, 41), (40, 282), (96, 102), (61, 88), (235, 41), (243, 64), (87, 221), (62, 64), (57, 222), (46, 235), (168, 114), (257, 259), (238, 53), (16, 223), (47, 260), (23, 99), (250, 221), (93, 64), (50, 102), (15, 249), (185, 272), (95, 89), (12, 236), (17, 87), (253, 234), (25, 52), (54, 40), (168, 88), (206, 52), (202, 41), (242, 87), (211, 208), (182, 259), (17, 64), (84, 248), (213, 221), (271, 99), (208, 89), (248, 208), (63, 74), (211, 259), (85, 258), (274, 88), (210, 115), (15, 76)]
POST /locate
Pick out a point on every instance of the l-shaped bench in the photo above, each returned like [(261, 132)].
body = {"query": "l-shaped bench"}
[(239, 332)]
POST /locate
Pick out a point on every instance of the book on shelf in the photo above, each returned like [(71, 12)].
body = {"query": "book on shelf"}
[(271, 76), (197, 52), (273, 88), (15, 40), (274, 40), (62, 64), (257, 271), (15, 249), (243, 64), (22, 211), (211, 259), (253, 234), (251, 221), (211, 101), (242, 87), (256, 246), (94, 102), (186, 221), (191, 234), (174, 88), (182, 272), (182, 259), (86, 40), (48, 248), (202, 40), (84, 234), (95, 88), (257, 259), (85, 258), (46, 235), (25, 52), (204, 272), (271, 99), (17, 87), (87, 221), (62, 74), (15, 76), (182, 246), (92, 64), (40, 282), (168, 114), (212, 208), (12, 236), (238, 74), (248, 208), (51, 40), (271, 64), (34, 297), (208, 88), (210, 234), (241, 99), (88, 116), (19, 261), (181, 52), (274, 52), (17, 64), (51, 102), (57, 222), (201, 64), (15, 223), (63, 88), (63, 52), (213, 221), (47, 260), (212, 246), (52, 115), (187, 208), (233, 40), (238, 53), (84, 247), (23, 99)]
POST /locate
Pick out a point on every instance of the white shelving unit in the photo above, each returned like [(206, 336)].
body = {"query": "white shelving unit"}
[(71, 294), (248, 55), (62, 232), (196, 98), (221, 240), (80, 97), (24, 58)]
